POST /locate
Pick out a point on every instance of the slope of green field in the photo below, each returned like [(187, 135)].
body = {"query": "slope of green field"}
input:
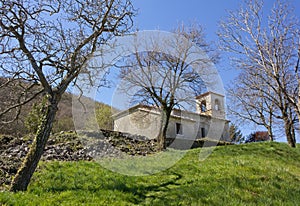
[(250, 174)]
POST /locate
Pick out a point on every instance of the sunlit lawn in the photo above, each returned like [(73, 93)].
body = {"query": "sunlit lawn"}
[(251, 174)]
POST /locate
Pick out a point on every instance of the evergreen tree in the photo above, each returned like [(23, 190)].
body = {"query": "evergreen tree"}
[(235, 134)]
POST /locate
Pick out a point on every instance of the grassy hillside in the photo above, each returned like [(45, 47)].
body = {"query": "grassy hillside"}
[(251, 174)]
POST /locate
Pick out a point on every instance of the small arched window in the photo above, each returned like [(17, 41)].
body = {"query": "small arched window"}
[(203, 106), (217, 104)]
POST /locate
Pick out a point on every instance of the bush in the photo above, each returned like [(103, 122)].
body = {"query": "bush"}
[(259, 136)]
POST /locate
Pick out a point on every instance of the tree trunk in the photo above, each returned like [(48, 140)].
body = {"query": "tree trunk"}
[(24, 174), (298, 103), (293, 133), (288, 132), (270, 133), (161, 139), (270, 125), (298, 114)]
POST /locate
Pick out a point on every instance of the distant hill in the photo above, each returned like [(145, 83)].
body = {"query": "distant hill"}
[(64, 121)]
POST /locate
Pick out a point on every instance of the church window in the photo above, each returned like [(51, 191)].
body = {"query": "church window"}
[(179, 128), (203, 132)]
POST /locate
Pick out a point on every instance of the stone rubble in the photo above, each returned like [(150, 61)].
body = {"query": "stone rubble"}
[(83, 145), (69, 146)]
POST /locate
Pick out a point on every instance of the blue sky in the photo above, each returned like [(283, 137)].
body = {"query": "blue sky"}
[(165, 15)]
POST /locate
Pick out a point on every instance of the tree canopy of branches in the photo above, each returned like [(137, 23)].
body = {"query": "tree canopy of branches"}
[(266, 49), (47, 44), (249, 104), (168, 81)]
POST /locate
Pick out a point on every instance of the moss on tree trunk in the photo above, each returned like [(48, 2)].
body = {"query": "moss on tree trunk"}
[(25, 172)]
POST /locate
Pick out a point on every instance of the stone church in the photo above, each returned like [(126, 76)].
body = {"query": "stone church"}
[(208, 120)]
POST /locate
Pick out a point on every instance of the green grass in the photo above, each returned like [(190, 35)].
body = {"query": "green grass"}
[(251, 174)]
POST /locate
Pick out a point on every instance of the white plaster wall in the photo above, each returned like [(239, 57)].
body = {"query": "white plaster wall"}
[(140, 123), (148, 124), (189, 129)]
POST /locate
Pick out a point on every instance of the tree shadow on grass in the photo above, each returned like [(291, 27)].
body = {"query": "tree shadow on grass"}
[(141, 190), (131, 185)]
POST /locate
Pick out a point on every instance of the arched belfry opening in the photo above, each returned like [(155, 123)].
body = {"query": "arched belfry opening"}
[(203, 106), (211, 104), (217, 104)]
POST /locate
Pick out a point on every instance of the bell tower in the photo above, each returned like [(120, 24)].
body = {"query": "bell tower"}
[(211, 104)]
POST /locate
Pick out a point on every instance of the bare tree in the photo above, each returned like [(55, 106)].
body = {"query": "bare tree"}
[(268, 48), (252, 100), (46, 44), (168, 81)]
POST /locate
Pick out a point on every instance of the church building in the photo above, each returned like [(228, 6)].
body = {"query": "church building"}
[(209, 120)]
